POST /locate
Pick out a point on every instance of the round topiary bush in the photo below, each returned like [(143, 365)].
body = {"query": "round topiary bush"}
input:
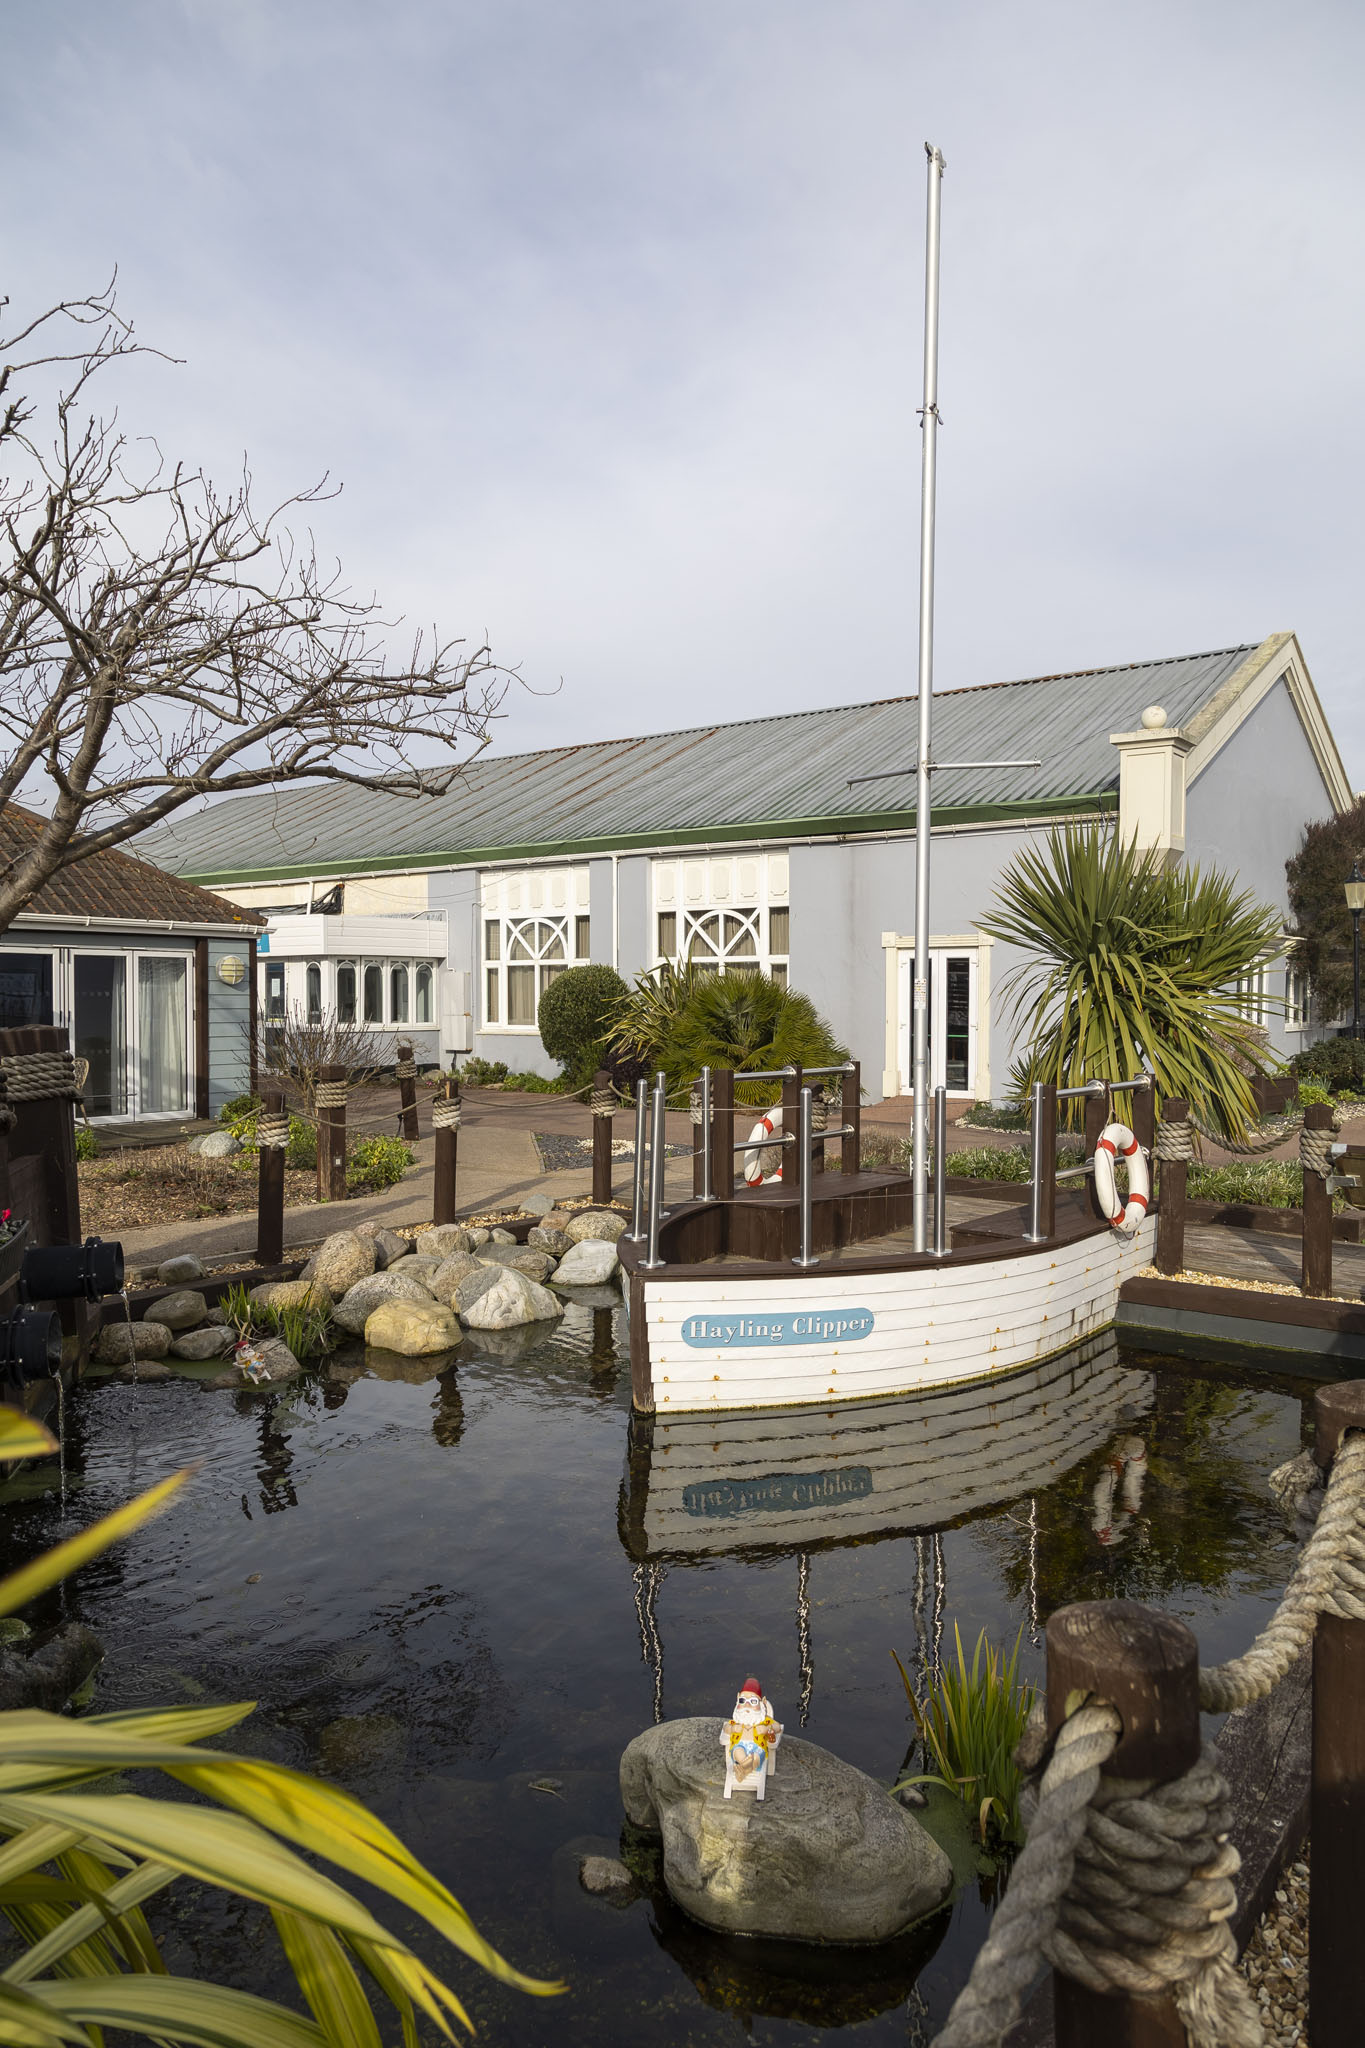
[(575, 1012)]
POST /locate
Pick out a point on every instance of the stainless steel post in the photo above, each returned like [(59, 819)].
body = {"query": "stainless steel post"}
[(1035, 1165), (928, 475), (708, 1193), (658, 1145), (940, 1172), (806, 1257), (636, 1233)]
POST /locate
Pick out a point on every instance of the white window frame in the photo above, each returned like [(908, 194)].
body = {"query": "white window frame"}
[(940, 952), (746, 887), (510, 900), (64, 1010), (1251, 993), (1298, 995)]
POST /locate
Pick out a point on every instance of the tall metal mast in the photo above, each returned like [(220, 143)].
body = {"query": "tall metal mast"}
[(924, 770)]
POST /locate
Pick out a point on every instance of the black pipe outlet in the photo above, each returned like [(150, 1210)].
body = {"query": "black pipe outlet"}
[(30, 1345), (66, 1272)]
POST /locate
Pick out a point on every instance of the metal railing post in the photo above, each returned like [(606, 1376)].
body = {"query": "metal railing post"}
[(708, 1193), (1035, 1165), (940, 1172), (636, 1233), (657, 1148), (803, 1151)]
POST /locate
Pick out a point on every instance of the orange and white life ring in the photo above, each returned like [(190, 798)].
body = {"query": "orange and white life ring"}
[(1117, 1142), (770, 1121)]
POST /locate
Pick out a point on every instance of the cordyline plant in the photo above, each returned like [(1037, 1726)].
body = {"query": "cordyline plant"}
[(78, 1866), (1131, 967), (164, 639)]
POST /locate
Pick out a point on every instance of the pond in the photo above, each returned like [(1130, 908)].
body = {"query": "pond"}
[(461, 1592)]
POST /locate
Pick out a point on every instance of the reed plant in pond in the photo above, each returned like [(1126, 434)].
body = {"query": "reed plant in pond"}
[(969, 1726)]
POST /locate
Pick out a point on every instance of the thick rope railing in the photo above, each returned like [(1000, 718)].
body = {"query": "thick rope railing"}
[(40, 1076), (1127, 1885), (1175, 1141), (1272, 1134), (272, 1131)]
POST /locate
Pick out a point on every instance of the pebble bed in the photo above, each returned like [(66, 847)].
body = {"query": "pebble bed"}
[(1275, 1964), (1230, 1280)]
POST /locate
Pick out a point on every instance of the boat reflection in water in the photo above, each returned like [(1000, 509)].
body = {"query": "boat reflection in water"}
[(802, 1480)]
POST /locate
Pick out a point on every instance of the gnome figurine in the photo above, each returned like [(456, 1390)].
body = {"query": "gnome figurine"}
[(749, 1739)]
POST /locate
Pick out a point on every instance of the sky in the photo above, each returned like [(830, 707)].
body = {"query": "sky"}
[(607, 315)]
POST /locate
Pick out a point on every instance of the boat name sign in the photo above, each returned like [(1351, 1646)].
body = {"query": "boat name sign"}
[(804, 1326)]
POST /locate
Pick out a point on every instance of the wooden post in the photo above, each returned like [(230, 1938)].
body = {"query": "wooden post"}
[(405, 1073), (330, 1104), (273, 1125), (793, 1166), (1317, 1214), (851, 1147), (723, 1132), (1337, 1801), (601, 1136), (1146, 1665), (445, 1122), (1096, 1117), (1170, 1210), (1047, 1160)]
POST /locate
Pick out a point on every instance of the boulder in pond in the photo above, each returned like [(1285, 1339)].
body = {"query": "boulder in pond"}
[(359, 1303), (298, 1293), (443, 1239), (606, 1877), (119, 1342), (828, 1855), (179, 1271), (144, 1369), (215, 1340), (512, 1299), (414, 1329), (48, 1678), (340, 1260), (589, 1263), (180, 1311), (389, 1247), (544, 1239), (279, 1365), (474, 1284), (528, 1259), (603, 1223), (451, 1272)]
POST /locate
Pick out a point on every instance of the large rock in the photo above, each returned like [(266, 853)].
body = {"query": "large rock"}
[(538, 1204), (414, 1329), (48, 1678), (213, 1341), (121, 1342), (545, 1239), (451, 1272), (473, 1285), (443, 1239), (536, 1263), (828, 1856), (274, 1360), (298, 1293), (219, 1145), (179, 1311), (513, 1298), (359, 1303), (179, 1271), (389, 1247), (589, 1263), (502, 1237), (603, 1223), (341, 1260)]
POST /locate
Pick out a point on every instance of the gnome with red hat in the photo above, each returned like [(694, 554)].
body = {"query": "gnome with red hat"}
[(749, 1739)]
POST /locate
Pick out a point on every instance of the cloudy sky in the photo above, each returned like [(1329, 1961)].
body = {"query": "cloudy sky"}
[(607, 314)]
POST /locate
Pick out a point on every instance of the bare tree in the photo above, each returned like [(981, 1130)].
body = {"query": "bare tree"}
[(162, 641)]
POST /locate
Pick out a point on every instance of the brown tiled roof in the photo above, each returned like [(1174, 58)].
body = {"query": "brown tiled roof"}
[(115, 885)]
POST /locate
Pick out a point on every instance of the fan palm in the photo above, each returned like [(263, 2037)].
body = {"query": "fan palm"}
[(747, 1021), (1131, 967), (79, 1862), (644, 1021)]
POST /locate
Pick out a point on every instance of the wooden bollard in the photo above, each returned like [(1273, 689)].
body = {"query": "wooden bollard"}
[(1337, 1800), (329, 1101), (723, 1132), (1170, 1191), (1317, 1213), (603, 1104), (405, 1073), (445, 1123), (272, 1136), (1146, 1666), (851, 1146)]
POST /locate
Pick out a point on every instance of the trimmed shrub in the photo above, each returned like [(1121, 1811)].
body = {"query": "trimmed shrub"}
[(1337, 1064), (477, 1073), (240, 1109), (575, 1014), (378, 1163)]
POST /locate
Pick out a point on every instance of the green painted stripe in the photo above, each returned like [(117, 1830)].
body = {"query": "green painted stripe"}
[(858, 823)]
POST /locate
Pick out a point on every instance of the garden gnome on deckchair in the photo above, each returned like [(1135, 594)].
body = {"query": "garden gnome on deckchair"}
[(750, 1740)]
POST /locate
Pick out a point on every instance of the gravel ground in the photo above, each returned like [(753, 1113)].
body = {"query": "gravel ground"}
[(1276, 1961), (558, 1150), (167, 1184)]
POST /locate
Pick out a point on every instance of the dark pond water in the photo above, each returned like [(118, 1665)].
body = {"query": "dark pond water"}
[(441, 1588)]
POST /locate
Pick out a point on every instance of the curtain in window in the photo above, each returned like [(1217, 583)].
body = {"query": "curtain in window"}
[(422, 1005), (163, 1055)]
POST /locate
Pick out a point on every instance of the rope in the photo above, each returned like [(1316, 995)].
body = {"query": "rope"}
[(1175, 1141), (1125, 1886), (1279, 1129), (40, 1076), (602, 1101), (445, 1114), (330, 1095), (694, 1104), (405, 1070), (272, 1132), (1315, 1151)]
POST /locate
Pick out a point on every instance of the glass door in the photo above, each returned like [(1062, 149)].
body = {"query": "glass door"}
[(99, 1029), (952, 1021), (163, 1065)]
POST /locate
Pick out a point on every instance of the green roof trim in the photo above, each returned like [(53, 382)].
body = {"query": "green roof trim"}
[(857, 824)]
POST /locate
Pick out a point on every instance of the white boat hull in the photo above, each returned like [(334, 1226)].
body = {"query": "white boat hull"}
[(778, 1340)]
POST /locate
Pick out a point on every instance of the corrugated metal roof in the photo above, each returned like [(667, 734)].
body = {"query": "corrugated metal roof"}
[(761, 776)]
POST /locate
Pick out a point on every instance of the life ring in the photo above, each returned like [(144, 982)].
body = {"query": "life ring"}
[(1117, 1142), (768, 1123)]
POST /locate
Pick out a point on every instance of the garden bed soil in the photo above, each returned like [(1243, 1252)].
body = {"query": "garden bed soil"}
[(170, 1184)]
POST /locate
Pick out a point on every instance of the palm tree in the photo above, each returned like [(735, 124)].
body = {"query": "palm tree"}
[(1132, 966)]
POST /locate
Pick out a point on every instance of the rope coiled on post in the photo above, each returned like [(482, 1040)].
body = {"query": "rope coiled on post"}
[(1315, 1150), (272, 1131), (1175, 1141), (405, 1070), (445, 1114), (602, 1102), (40, 1076), (330, 1095)]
